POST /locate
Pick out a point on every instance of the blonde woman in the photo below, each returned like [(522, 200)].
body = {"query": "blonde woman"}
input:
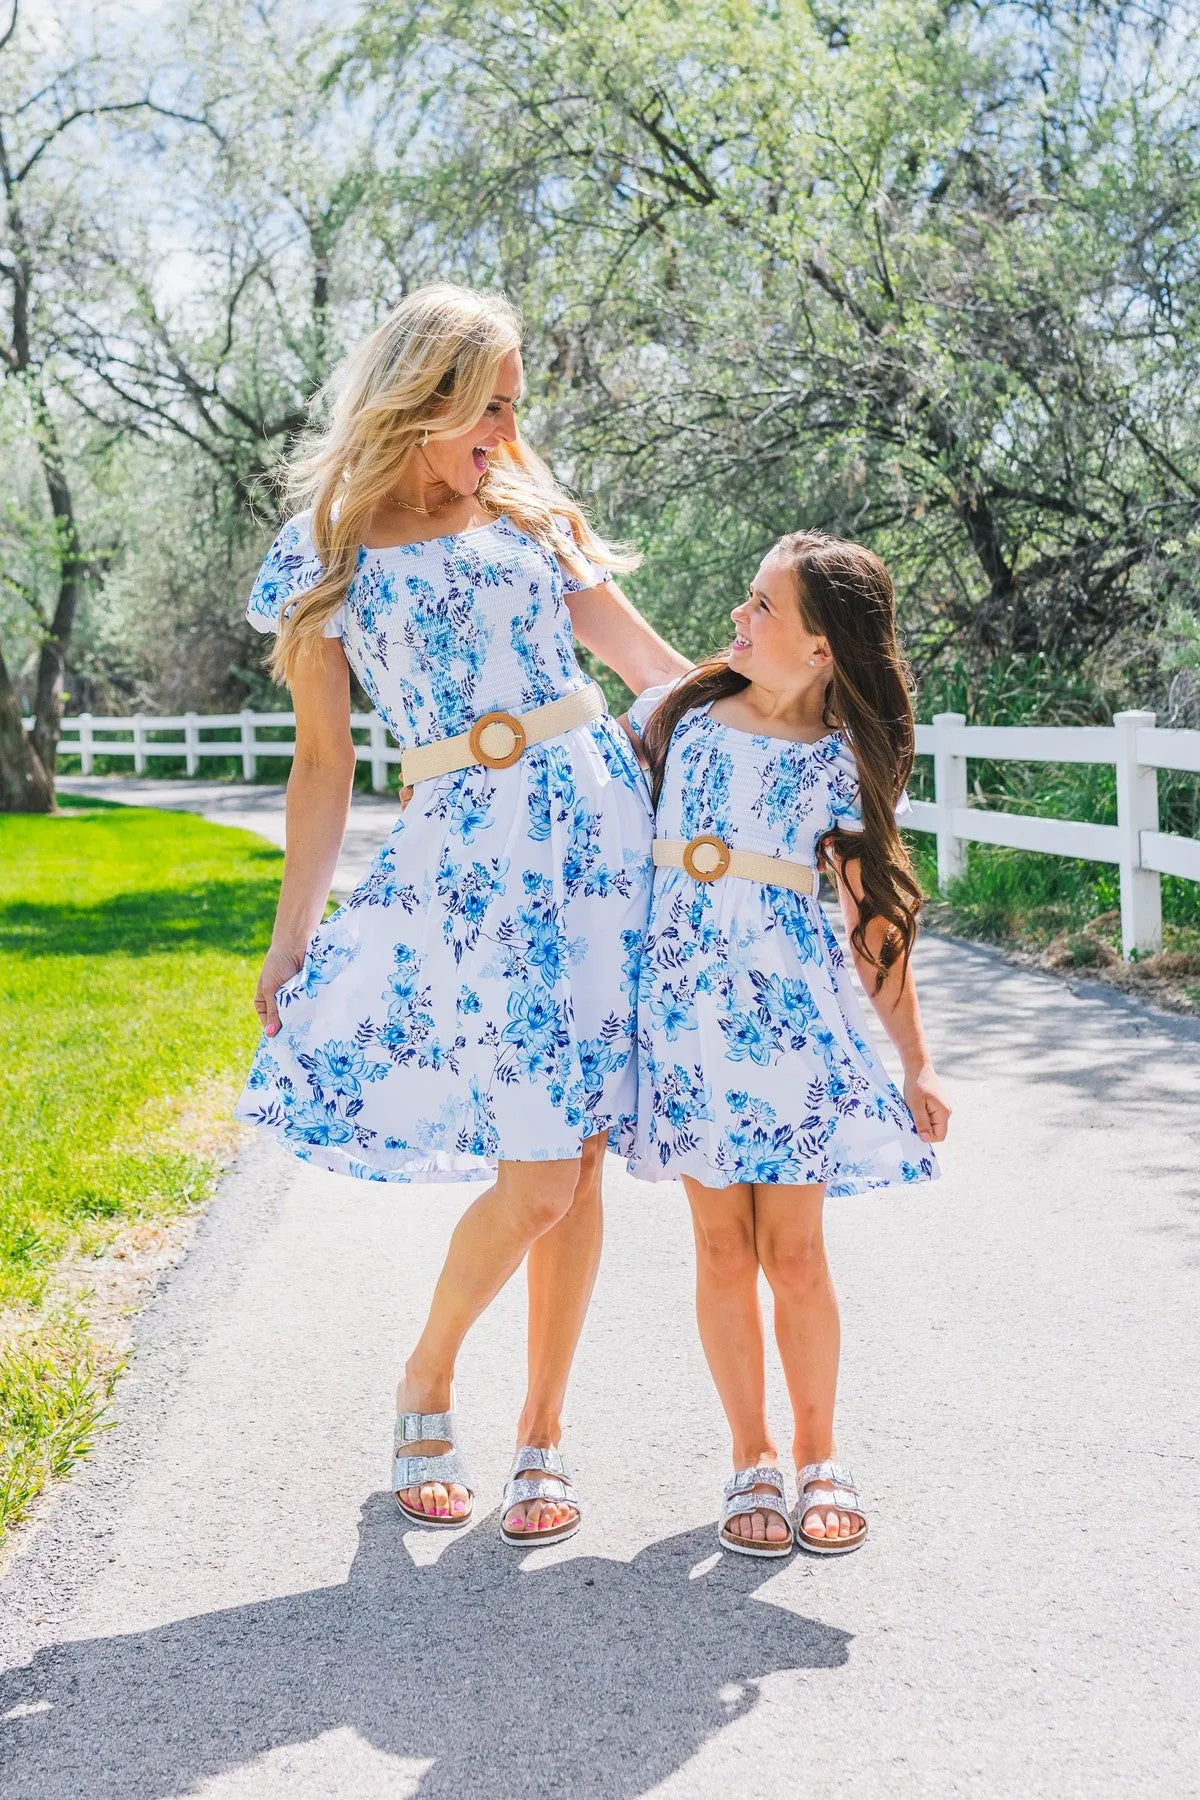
[(469, 1012)]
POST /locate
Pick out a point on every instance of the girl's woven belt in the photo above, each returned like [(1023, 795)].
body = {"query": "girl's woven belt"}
[(499, 738), (707, 858)]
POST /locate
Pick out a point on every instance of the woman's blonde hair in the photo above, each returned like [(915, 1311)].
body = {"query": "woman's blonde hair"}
[(430, 368)]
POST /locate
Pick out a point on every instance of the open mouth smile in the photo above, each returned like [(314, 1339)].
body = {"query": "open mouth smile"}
[(480, 459)]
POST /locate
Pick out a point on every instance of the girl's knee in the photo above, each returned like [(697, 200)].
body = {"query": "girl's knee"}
[(726, 1251)]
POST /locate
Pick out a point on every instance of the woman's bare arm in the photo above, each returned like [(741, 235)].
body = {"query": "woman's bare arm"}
[(606, 621), (899, 1013), (318, 801)]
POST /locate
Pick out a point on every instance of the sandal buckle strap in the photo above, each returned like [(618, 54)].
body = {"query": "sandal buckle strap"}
[(553, 1488), (418, 1428), (550, 1461), (744, 1479), (752, 1503), (450, 1469)]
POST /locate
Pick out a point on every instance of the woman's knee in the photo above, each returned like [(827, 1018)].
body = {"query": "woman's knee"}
[(542, 1194), (793, 1261)]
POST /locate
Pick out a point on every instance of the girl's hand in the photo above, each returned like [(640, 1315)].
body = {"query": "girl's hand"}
[(927, 1102), (278, 967)]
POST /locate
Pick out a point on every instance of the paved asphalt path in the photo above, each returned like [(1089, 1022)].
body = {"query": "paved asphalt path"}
[(224, 1601)]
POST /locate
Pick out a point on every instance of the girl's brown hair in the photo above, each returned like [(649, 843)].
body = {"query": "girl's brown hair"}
[(845, 595)]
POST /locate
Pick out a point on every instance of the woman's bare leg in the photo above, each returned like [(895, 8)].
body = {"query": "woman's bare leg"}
[(561, 1271), (729, 1316), (791, 1247), (486, 1248)]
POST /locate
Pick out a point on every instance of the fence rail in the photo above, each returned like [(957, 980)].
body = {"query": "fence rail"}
[(88, 736), (1133, 744)]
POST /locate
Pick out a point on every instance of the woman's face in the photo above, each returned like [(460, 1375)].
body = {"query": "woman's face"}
[(461, 462), (773, 645)]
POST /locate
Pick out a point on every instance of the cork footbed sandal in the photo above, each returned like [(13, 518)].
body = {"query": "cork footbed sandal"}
[(740, 1499), (839, 1495)]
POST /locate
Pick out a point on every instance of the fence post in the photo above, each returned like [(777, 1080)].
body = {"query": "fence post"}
[(191, 741), (379, 768), (249, 760), (86, 742), (1137, 811), (139, 744), (949, 791)]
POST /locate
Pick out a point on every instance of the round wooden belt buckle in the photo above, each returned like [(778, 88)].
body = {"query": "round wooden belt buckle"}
[(706, 858), (497, 740)]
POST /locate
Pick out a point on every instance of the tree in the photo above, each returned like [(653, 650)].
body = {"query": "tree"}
[(889, 268), (51, 93)]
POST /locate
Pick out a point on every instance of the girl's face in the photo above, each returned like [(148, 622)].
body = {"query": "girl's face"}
[(461, 462), (773, 645)]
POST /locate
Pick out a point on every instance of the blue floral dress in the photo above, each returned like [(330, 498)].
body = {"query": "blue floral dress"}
[(753, 1059), (473, 999)]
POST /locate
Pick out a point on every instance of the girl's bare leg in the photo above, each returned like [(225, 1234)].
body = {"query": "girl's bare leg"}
[(791, 1247), (731, 1331), (561, 1271), (486, 1248)]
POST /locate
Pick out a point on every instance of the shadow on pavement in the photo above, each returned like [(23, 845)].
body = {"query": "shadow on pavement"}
[(611, 1674)]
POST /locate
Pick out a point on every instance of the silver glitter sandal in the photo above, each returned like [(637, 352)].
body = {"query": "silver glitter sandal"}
[(844, 1498), (740, 1499), (448, 1467), (554, 1483)]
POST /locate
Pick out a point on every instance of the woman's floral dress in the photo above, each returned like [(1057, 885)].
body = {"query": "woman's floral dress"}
[(473, 999), (753, 1060)]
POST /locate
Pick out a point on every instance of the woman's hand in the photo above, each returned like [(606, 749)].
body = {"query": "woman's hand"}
[(280, 964), (927, 1102)]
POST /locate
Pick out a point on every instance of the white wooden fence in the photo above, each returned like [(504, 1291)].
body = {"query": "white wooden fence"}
[(88, 737), (1132, 743), (1142, 852)]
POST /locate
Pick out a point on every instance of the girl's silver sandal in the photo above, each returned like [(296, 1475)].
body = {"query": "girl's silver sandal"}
[(740, 1498), (448, 1468), (843, 1498), (555, 1484)]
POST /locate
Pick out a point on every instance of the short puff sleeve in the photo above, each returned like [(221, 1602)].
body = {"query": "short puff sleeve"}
[(595, 573), (291, 567), (647, 703), (845, 806)]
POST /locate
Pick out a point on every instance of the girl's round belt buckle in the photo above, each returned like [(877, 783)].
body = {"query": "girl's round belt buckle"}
[(706, 858), (497, 740)]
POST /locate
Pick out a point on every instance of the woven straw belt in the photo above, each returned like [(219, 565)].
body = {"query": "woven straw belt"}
[(498, 739), (707, 858)]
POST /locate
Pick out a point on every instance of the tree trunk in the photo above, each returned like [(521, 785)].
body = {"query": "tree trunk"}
[(52, 663), (24, 784)]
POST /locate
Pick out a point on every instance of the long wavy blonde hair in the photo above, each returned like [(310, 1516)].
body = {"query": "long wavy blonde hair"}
[(430, 368)]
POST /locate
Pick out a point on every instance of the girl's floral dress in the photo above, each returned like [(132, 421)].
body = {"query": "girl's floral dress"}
[(753, 1059), (473, 999)]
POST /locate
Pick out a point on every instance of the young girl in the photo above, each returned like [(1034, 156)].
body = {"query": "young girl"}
[(757, 1087)]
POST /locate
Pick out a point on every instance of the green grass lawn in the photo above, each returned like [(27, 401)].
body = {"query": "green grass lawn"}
[(129, 945)]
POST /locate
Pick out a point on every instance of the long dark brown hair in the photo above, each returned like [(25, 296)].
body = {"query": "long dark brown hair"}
[(845, 595)]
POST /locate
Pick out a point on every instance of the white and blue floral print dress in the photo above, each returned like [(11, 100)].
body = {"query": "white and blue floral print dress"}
[(473, 999), (753, 1059)]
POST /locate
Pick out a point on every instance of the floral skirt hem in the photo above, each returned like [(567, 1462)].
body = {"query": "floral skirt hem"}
[(837, 1187), (442, 1168)]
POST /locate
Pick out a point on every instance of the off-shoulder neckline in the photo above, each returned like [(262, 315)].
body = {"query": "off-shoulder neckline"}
[(446, 537), (767, 737)]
